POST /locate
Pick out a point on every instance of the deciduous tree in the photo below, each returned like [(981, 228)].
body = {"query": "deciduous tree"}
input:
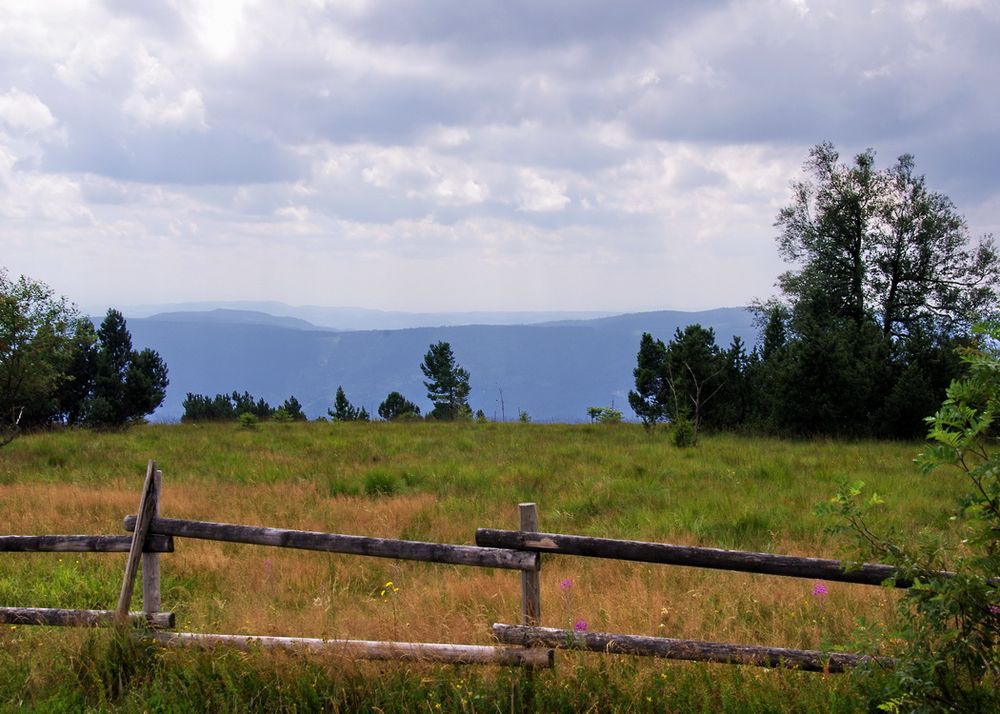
[(37, 332)]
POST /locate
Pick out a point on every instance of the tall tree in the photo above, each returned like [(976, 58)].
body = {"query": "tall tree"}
[(447, 385), (886, 279), (681, 380), (37, 332), (128, 385), (880, 245), (652, 393)]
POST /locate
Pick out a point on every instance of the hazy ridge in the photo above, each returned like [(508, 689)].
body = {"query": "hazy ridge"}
[(553, 370)]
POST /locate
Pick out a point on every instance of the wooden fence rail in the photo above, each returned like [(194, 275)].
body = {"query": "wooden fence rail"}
[(527, 644), (338, 543), (695, 650), (81, 544), (78, 618), (697, 557)]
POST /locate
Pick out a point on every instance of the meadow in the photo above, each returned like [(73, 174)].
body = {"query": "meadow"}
[(439, 482)]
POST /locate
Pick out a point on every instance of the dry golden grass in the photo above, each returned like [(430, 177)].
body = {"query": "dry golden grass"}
[(220, 587), (438, 483)]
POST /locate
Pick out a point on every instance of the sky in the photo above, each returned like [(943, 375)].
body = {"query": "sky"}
[(457, 155)]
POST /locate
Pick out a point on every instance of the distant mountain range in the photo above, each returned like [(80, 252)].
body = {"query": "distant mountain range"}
[(356, 318), (553, 369)]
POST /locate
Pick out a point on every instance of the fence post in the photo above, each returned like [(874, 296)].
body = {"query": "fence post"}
[(531, 593), (135, 551), (151, 561)]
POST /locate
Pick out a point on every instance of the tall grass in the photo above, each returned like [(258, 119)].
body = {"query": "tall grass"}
[(439, 482)]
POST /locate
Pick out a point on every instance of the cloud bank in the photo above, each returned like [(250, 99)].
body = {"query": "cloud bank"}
[(450, 155)]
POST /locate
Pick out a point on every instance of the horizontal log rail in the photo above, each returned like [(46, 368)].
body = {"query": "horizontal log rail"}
[(366, 649), (61, 617), (694, 650), (81, 544), (338, 543), (698, 557)]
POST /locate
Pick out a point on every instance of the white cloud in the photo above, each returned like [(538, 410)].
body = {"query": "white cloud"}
[(538, 193), (159, 98), (24, 112), (544, 148)]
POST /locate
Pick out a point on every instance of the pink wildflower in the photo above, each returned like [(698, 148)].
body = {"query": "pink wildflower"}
[(566, 584), (819, 589), (580, 625)]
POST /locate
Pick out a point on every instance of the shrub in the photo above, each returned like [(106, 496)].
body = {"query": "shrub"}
[(248, 420), (950, 626), (683, 433)]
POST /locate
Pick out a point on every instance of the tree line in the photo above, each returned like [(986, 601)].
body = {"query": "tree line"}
[(447, 388), (885, 284), (57, 368)]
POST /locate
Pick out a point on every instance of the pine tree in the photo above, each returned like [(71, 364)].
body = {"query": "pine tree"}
[(447, 385)]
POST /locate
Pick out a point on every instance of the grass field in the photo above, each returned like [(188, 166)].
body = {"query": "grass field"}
[(439, 482)]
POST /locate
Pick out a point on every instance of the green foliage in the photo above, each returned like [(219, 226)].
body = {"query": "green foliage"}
[(951, 626), (228, 407), (243, 403), (248, 420), (343, 410), (38, 336), (282, 416), (604, 415), (128, 385), (293, 408), (683, 432), (886, 285), (396, 406), (683, 380), (523, 416), (447, 385), (652, 393)]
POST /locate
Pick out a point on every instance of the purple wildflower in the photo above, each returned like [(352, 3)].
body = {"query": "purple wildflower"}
[(580, 625), (566, 583), (995, 609), (819, 589)]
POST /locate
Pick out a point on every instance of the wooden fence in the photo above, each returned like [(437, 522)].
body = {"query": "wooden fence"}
[(526, 644)]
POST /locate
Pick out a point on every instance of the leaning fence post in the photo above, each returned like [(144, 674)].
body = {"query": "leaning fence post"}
[(151, 561), (531, 593), (138, 541)]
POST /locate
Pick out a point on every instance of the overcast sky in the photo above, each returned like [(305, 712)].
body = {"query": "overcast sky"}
[(454, 154)]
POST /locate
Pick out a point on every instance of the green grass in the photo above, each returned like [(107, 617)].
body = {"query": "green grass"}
[(439, 482)]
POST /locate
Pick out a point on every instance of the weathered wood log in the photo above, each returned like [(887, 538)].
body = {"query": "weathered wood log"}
[(694, 556), (82, 544), (531, 587), (151, 601), (696, 650), (78, 618), (135, 549), (365, 649), (337, 543)]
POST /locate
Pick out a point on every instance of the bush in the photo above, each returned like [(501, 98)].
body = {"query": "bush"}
[(605, 415), (247, 420), (683, 433), (950, 626)]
